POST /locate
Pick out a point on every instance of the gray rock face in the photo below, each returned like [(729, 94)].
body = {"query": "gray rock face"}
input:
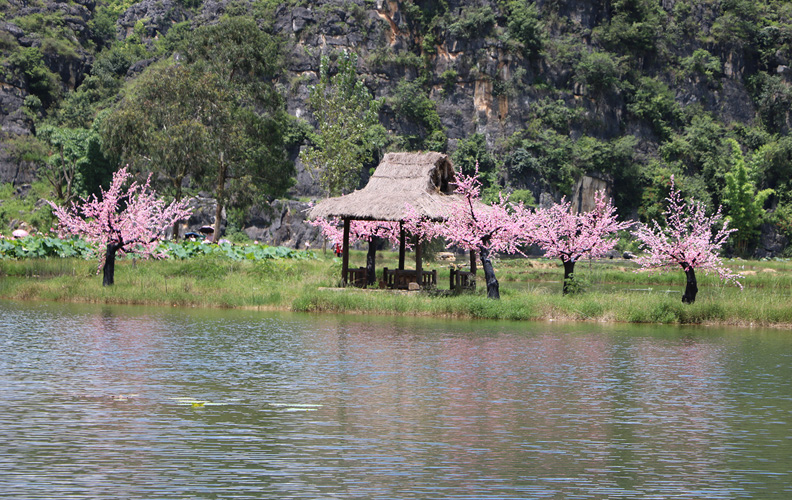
[(157, 17), (283, 223), (771, 242)]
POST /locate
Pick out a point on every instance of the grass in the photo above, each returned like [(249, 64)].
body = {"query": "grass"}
[(530, 290)]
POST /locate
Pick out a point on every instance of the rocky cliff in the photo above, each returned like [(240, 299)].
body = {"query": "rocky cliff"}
[(547, 92)]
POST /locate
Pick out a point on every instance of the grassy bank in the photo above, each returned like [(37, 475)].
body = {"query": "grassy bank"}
[(530, 290)]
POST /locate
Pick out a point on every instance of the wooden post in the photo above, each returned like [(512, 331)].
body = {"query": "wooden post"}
[(473, 261), (345, 255), (418, 260), (401, 245)]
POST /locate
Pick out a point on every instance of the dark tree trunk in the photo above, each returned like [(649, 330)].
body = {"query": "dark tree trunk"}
[(108, 270), (569, 269), (222, 175), (371, 258), (493, 288), (691, 287)]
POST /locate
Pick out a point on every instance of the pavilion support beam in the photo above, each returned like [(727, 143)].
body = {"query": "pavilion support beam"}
[(473, 261), (418, 260), (402, 246), (371, 261), (345, 254)]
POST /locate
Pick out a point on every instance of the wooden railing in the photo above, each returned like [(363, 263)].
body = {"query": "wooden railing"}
[(357, 277), (462, 280), (401, 278)]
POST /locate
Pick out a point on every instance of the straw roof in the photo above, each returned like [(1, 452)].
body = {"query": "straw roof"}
[(425, 181)]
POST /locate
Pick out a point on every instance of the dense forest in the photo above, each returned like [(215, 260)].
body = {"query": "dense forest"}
[(250, 101)]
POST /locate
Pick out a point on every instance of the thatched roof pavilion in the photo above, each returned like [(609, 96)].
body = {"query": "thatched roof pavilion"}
[(423, 180), (426, 181)]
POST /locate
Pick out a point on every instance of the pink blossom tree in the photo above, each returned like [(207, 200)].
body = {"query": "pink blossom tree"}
[(687, 240), (570, 236), (120, 220), (472, 225)]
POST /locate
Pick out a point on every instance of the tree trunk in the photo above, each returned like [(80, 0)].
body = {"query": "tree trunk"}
[(493, 288), (569, 270), (691, 287), (221, 179), (371, 259), (178, 198), (108, 270)]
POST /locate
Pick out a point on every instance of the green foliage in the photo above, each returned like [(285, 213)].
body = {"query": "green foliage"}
[(738, 23), (28, 63), (254, 252), (102, 26), (473, 150), (345, 111), (475, 22), (411, 103), (654, 102), (37, 247), (614, 158), (744, 206), (600, 71), (773, 96), (523, 196), (25, 208), (635, 26), (701, 61), (542, 155), (772, 164), (216, 119), (449, 79), (700, 150), (524, 26), (76, 164)]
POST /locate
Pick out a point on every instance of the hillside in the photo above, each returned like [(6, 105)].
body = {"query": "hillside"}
[(540, 93)]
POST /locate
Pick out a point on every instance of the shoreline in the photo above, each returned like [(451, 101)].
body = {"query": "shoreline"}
[(530, 291)]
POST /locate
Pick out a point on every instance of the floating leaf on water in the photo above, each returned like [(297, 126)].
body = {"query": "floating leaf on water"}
[(297, 405)]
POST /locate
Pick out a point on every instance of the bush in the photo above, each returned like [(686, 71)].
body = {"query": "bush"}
[(524, 26), (600, 71), (654, 102)]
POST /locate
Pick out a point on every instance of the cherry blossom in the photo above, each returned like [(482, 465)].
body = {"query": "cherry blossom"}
[(570, 236), (687, 240), (130, 220), (473, 225)]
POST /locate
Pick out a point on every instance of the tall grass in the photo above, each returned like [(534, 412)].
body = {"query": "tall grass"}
[(530, 290)]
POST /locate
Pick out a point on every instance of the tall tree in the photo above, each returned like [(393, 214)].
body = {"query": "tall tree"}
[(744, 205), (345, 111), (165, 125), (570, 236), (250, 155), (686, 239), (120, 220), (215, 118)]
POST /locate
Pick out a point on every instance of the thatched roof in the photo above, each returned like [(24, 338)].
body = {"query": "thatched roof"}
[(424, 180)]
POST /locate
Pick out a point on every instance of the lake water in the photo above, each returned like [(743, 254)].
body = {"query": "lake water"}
[(125, 402)]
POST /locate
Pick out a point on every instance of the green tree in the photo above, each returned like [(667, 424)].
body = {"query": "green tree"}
[(165, 125), (74, 161), (524, 26), (744, 206), (214, 120), (250, 151), (411, 102), (344, 111)]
